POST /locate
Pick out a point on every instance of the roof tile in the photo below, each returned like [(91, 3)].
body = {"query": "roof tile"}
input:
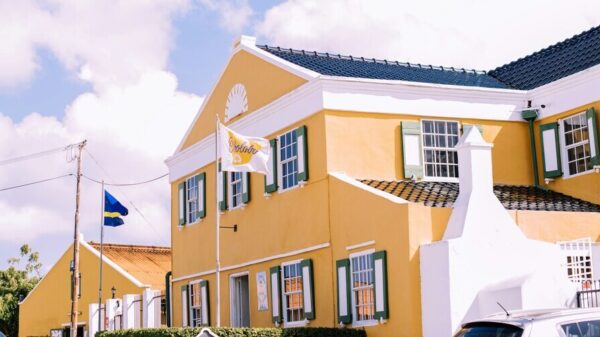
[(512, 197)]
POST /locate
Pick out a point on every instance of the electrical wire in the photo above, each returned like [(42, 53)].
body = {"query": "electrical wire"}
[(124, 184), (36, 155), (128, 199), (36, 182)]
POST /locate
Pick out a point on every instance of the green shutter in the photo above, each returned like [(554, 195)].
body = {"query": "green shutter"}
[(245, 187), (205, 298), (593, 134), (550, 150), (181, 203), (380, 286), (271, 178), (302, 143), (308, 289), (275, 273), (467, 127), (412, 157), (223, 184), (201, 199), (344, 306)]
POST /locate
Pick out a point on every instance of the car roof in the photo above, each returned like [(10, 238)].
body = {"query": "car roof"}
[(521, 317)]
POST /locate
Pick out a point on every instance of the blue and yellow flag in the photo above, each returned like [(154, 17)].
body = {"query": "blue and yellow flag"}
[(113, 210)]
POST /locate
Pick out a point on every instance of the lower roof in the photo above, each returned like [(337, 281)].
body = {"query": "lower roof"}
[(148, 264), (512, 197)]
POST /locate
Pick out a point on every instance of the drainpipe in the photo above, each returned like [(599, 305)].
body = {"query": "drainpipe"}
[(530, 115), (168, 297)]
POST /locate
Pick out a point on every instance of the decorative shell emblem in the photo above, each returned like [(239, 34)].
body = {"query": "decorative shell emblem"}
[(237, 102)]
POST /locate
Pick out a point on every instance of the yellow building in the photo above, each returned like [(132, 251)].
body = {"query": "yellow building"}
[(127, 269), (363, 173)]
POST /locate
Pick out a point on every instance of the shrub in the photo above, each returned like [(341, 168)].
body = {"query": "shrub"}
[(236, 332)]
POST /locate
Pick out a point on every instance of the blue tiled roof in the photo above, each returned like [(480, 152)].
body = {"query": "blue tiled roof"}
[(349, 66), (565, 58)]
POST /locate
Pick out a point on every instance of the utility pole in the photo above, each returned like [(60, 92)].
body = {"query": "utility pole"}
[(75, 271)]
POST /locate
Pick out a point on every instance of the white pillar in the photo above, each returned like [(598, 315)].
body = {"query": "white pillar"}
[(113, 307), (131, 311), (151, 311), (93, 319)]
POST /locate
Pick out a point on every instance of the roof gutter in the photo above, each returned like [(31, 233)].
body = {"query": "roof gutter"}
[(530, 115), (168, 298)]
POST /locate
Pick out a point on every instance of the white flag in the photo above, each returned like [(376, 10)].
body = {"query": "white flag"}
[(243, 154)]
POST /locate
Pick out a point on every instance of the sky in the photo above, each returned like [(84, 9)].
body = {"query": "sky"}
[(129, 76)]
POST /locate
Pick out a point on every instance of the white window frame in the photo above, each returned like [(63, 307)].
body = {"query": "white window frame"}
[(449, 149), (302, 322), (191, 213), (230, 196), (355, 321), (564, 147), (192, 320), (577, 260), (281, 162)]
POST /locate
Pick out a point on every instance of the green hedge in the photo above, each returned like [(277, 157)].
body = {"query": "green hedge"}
[(236, 332)]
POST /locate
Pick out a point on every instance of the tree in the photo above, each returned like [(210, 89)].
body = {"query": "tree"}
[(15, 283)]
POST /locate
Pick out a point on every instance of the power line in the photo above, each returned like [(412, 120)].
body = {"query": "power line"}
[(128, 199), (36, 155), (36, 182), (125, 184)]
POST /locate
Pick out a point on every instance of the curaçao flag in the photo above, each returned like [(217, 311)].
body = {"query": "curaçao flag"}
[(113, 210)]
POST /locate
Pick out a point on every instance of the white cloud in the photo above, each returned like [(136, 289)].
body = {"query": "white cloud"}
[(130, 131), (463, 33), (234, 15), (106, 42)]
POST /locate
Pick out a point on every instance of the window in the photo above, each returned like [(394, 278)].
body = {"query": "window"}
[(288, 156), (439, 140), (192, 199), (363, 294), (577, 260), (293, 305), (235, 188), (576, 144), (195, 304), (589, 328)]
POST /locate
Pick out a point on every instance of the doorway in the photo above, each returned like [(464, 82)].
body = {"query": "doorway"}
[(240, 300)]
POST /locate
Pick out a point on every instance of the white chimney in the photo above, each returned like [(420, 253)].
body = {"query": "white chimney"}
[(477, 211)]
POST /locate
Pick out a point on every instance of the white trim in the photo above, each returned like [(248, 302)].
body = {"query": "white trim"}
[(567, 93), (242, 273), (360, 245), (284, 111), (355, 322), (354, 182), (78, 323), (187, 277), (564, 150), (256, 261), (194, 281), (362, 252), (247, 44), (397, 98), (231, 292), (284, 308)]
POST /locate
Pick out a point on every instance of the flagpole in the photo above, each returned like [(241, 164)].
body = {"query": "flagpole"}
[(218, 222), (101, 251)]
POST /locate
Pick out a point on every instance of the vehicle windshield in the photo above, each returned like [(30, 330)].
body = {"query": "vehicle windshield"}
[(489, 329), (582, 329)]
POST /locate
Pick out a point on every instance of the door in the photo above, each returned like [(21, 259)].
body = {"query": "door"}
[(240, 301)]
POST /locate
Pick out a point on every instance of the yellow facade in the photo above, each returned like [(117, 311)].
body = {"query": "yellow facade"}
[(328, 219), (585, 186), (48, 306)]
